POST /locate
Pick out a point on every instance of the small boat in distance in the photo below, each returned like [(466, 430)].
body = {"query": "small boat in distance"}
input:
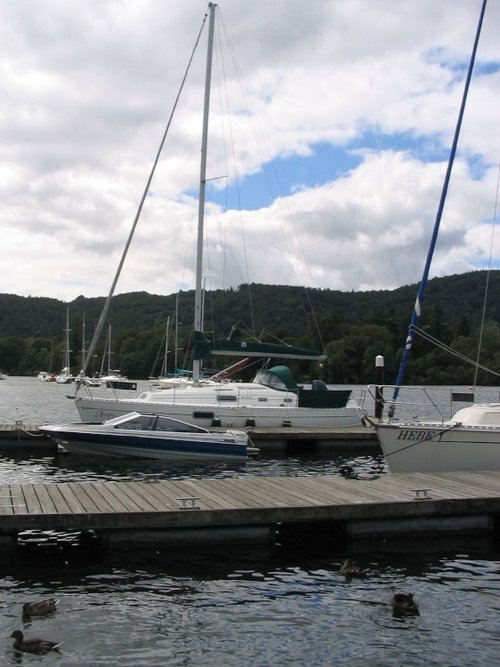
[(150, 436), (115, 380)]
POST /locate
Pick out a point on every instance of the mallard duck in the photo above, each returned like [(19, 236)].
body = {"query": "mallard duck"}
[(349, 570), (34, 645), (39, 607), (403, 604)]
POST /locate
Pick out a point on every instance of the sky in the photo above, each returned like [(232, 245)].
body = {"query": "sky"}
[(331, 124)]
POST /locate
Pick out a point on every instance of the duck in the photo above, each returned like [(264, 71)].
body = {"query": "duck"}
[(349, 570), (403, 604), (33, 645), (39, 607), (348, 472)]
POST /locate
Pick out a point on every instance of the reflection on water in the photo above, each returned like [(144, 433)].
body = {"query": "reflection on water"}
[(32, 467), (281, 604), (267, 605)]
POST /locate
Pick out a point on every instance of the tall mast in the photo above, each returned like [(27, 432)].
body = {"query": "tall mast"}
[(423, 283), (198, 310)]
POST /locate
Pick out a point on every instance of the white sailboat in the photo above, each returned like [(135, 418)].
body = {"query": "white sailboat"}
[(114, 379), (470, 440), (272, 399), (65, 376)]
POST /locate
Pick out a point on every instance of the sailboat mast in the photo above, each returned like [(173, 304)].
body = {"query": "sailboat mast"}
[(198, 310), (67, 330), (83, 341), (423, 283)]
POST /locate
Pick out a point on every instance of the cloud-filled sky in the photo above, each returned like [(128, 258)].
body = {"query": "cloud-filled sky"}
[(330, 130)]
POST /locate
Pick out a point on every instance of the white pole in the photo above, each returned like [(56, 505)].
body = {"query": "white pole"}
[(198, 319)]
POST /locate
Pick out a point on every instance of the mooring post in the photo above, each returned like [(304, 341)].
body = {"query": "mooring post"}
[(379, 392)]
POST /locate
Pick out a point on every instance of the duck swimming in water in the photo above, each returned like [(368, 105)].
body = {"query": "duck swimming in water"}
[(350, 571), (403, 604), (39, 607), (34, 645)]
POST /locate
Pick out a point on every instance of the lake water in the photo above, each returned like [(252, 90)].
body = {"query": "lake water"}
[(261, 605)]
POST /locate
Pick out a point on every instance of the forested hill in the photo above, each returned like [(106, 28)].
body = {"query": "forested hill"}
[(453, 307)]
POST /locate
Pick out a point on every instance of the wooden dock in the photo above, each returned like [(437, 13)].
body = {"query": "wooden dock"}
[(284, 438), (229, 509)]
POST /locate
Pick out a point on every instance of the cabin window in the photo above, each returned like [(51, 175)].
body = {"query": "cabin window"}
[(167, 424), (226, 398), (269, 380), (203, 415), (139, 423)]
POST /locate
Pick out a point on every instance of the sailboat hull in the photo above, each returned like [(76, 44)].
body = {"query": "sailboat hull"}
[(470, 441), (238, 416)]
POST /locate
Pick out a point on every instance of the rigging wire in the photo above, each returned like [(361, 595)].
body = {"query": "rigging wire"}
[(273, 184), (480, 342), (107, 303), (439, 344)]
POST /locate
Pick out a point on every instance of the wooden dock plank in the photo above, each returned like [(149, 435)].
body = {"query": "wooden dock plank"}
[(129, 495), (151, 501), (81, 491), (114, 503), (100, 500), (31, 499), (164, 501), (255, 496), (18, 502), (353, 491), (239, 502), (451, 485), (46, 504), (70, 498), (210, 495), (341, 493), (169, 492), (298, 488), (269, 491), (474, 483), (58, 499), (6, 501), (264, 495), (259, 494)]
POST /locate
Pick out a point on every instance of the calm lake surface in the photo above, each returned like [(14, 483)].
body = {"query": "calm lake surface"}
[(260, 605)]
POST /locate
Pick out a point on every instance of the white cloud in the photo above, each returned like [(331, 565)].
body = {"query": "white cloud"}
[(87, 89)]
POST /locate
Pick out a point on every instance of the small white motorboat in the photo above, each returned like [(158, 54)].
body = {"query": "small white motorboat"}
[(150, 436)]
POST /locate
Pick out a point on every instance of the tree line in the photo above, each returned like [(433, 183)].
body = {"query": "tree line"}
[(351, 327)]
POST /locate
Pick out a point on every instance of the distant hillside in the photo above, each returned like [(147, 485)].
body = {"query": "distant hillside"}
[(353, 327), (284, 310)]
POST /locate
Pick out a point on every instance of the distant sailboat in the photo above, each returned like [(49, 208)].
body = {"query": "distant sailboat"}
[(65, 376), (114, 378)]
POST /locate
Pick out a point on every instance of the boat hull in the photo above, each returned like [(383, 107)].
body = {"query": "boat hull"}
[(79, 439), (429, 447), (227, 416)]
